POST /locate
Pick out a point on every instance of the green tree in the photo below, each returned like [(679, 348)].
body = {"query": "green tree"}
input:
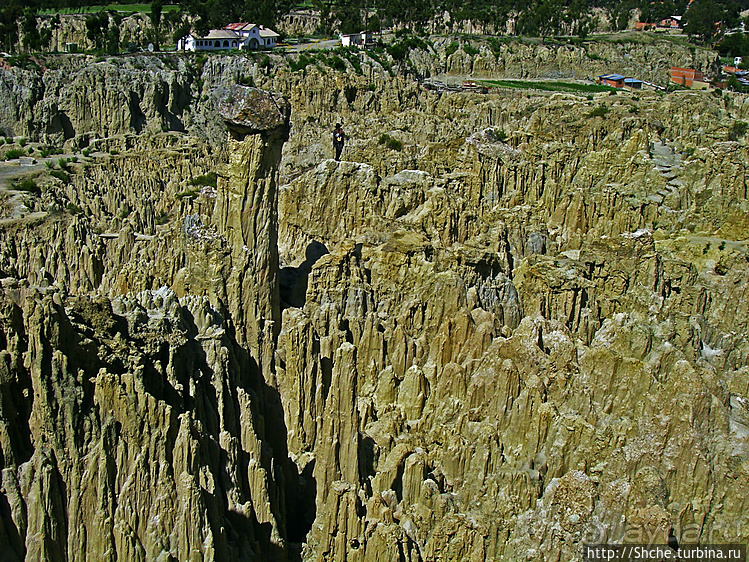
[(32, 40), (374, 24), (155, 15), (97, 26), (702, 18), (183, 30), (543, 18), (112, 40), (9, 26), (202, 26), (734, 45)]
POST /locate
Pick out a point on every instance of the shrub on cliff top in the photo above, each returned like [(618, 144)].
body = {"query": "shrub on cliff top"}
[(390, 142), (471, 50), (738, 130), (29, 186), (209, 179), (599, 111), (64, 177), (399, 50), (300, 64), (14, 153)]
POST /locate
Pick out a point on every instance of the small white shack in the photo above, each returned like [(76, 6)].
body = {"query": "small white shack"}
[(362, 39)]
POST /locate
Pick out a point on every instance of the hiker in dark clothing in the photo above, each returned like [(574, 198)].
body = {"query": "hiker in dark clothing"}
[(338, 139)]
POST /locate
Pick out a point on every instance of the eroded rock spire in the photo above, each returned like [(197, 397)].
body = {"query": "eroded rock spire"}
[(247, 212)]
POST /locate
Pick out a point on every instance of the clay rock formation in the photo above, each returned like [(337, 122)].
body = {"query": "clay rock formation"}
[(247, 212), (518, 337), (171, 444), (144, 451), (77, 95), (523, 331)]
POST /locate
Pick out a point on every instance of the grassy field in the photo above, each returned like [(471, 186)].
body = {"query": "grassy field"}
[(549, 86), (127, 8)]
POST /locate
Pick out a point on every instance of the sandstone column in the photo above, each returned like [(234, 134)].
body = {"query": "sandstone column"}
[(247, 214)]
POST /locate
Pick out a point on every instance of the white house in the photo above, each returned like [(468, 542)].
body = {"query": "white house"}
[(364, 39), (350, 40), (255, 36), (234, 36), (216, 40)]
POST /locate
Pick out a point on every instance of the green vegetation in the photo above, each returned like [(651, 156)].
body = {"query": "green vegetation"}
[(210, 179), (375, 56), (495, 44), (14, 153), (390, 142), (498, 135), (103, 32), (599, 111), (301, 63), (332, 59), (400, 48), (247, 80), (49, 150), (738, 130), (351, 54), (200, 61), (64, 177), (470, 50), (74, 209), (734, 45), (336, 63), (28, 185), (544, 19), (25, 62), (190, 194), (122, 8), (549, 86)]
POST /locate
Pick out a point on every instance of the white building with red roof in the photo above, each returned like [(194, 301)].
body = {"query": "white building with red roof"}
[(255, 36), (233, 36)]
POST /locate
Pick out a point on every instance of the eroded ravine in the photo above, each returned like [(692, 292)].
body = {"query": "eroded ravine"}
[(524, 331)]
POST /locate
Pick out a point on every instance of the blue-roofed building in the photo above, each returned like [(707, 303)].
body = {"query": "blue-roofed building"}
[(633, 83), (614, 80)]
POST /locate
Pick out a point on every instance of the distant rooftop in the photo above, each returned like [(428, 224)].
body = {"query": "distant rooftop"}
[(221, 34), (242, 26)]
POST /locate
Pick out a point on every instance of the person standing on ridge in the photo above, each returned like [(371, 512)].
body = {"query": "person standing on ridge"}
[(338, 139)]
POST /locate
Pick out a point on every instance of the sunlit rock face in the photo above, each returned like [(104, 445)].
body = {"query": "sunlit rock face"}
[(520, 331)]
